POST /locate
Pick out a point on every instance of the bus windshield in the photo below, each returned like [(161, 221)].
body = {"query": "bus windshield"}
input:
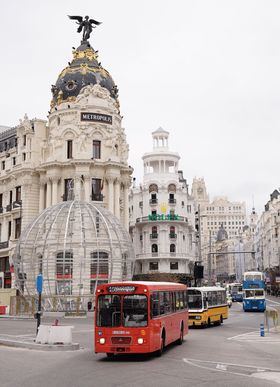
[(195, 299), (254, 293), (134, 310)]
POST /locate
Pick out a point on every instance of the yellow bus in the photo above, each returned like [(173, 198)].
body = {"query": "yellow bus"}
[(207, 305)]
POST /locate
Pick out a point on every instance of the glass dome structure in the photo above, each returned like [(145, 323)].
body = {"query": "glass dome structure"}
[(76, 246)]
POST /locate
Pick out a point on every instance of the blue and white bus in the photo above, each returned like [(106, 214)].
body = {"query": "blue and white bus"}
[(236, 291), (254, 291)]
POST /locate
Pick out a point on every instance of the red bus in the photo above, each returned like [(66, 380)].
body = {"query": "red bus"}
[(139, 317)]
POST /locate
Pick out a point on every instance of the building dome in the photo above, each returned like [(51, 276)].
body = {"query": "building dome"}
[(82, 71), (76, 246)]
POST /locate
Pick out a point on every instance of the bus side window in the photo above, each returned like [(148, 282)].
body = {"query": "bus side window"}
[(219, 297), (177, 301), (186, 299), (167, 303), (155, 304), (209, 297), (173, 301), (181, 295), (161, 302), (214, 298)]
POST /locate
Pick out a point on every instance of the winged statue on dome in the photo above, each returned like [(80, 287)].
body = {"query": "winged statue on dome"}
[(85, 24)]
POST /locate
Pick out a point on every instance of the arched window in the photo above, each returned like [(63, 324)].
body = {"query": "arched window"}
[(172, 248), (154, 248), (153, 188)]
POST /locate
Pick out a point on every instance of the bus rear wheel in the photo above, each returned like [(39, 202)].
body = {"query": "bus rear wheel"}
[(209, 322), (221, 319)]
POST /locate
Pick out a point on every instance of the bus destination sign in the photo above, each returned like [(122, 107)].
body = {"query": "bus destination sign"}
[(97, 117), (121, 289)]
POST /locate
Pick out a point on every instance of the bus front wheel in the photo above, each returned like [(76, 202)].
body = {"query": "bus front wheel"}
[(181, 338), (162, 345), (110, 355)]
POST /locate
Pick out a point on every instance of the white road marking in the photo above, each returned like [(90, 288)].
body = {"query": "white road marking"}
[(255, 337), (274, 302), (267, 374)]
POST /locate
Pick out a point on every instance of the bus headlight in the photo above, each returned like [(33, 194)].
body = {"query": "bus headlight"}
[(140, 340), (102, 340), (198, 317)]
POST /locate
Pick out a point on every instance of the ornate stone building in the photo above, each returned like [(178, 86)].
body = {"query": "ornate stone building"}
[(214, 215), (79, 151), (162, 215)]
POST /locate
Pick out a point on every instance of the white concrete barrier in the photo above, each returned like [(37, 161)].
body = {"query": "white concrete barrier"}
[(54, 334)]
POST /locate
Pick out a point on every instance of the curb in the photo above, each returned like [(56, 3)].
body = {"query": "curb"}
[(40, 347)]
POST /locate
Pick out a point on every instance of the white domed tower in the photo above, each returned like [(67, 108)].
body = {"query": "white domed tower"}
[(85, 151), (162, 216)]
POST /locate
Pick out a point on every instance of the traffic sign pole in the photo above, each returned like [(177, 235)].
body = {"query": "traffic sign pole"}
[(39, 286)]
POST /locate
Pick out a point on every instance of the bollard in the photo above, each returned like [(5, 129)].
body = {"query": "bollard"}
[(261, 330)]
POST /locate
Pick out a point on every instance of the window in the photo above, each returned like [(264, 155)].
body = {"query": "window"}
[(24, 156), (172, 232), (17, 228), (153, 266), (9, 230), (140, 204), (108, 311), (154, 248), (153, 198), (14, 161), (3, 165), (69, 149), (99, 264), (155, 304), (68, 189), (154, 232), (183, 204), (1, 200), (172, 248), (189, 209), (18, 193), (64, 265), (96, 149), (171, 198), (96, 188), (135, 310), (24, 140), (174, 266)]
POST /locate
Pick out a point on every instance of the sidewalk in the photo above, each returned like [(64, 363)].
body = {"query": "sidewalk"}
[(28, 342)]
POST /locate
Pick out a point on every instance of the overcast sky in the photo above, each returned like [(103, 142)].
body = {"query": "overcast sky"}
[(207, 71)]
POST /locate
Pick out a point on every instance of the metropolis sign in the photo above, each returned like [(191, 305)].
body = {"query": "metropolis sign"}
[(97, 117)]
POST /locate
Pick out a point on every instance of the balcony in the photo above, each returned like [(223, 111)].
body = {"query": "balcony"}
[(4, 245), (172, 201), (173, 236), (153, 201), (161, 217), (154, 235)]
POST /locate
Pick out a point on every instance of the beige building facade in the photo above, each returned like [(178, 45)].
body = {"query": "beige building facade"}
[(80, 151)]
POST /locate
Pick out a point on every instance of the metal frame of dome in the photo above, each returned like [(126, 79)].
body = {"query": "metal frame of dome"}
[(72, 243)]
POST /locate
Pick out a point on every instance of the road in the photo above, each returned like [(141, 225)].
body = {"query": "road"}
[(229, 355)]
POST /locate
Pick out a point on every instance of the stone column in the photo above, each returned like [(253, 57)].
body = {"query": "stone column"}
[(54, 190), (87, 188), (42, 195), (126, 204), (117, 199), (110, 181), (49, 193)]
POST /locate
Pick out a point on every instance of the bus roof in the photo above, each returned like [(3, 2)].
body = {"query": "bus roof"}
[(148, 284), (208, 288)]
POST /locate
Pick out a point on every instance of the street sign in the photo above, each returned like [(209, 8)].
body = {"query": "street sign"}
[(39, 283)]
